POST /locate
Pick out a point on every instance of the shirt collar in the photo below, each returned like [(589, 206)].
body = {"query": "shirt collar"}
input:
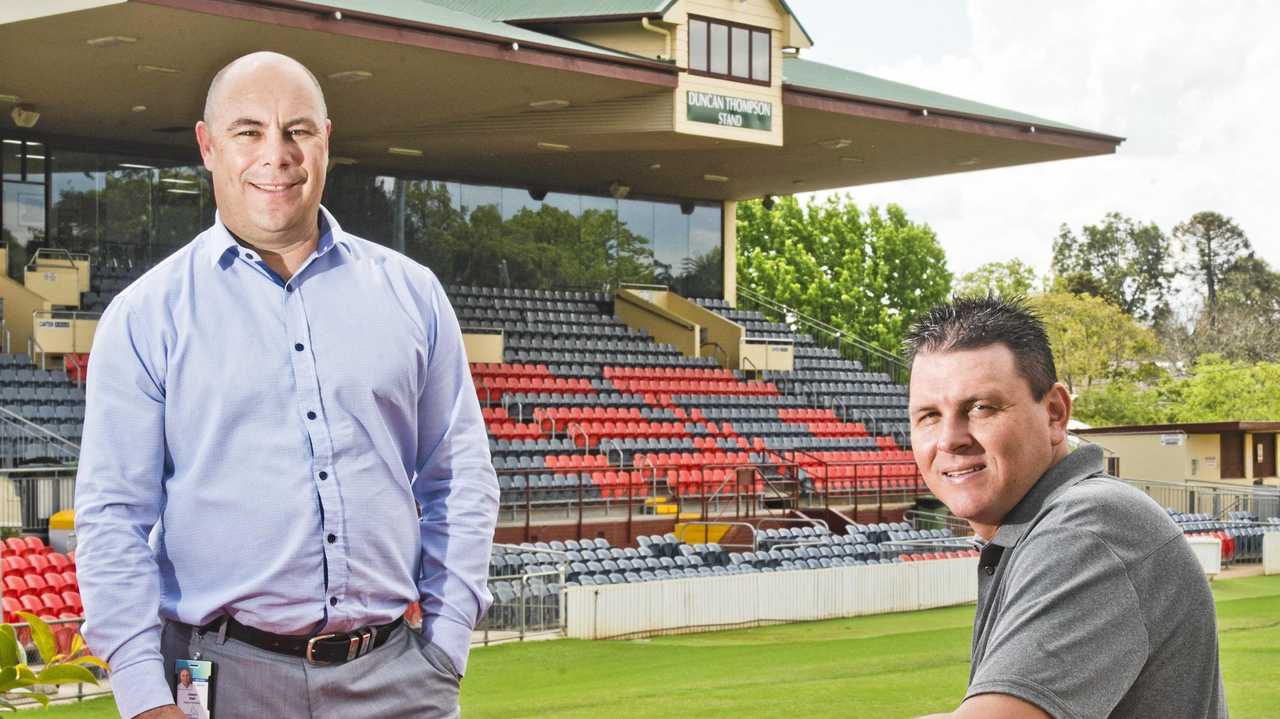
[(219, 239), (1084, 462)]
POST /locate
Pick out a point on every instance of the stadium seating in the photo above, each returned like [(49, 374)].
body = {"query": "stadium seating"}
[(1241, 533)]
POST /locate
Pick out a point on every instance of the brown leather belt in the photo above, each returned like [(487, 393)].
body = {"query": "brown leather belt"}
[(333, 648)]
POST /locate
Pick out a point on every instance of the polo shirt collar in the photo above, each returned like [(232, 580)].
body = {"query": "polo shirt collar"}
[(219, 240), (1085, 461)]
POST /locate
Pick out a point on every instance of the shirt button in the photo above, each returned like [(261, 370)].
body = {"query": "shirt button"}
[(298, 346), (333, 601), (311, 415), (990, 570), (332, 538), (324, 475), (288, 288), (248, 256)]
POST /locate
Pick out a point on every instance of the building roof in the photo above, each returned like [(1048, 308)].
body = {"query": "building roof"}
[(516, 11), (829, 79), (448, 15), (1186, 427)]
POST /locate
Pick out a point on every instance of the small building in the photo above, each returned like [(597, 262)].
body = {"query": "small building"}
[(1240, 452)]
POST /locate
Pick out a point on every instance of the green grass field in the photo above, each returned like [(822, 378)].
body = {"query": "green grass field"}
[(896, 665)]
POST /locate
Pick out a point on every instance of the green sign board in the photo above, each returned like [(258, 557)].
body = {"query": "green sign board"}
[(729, 111)]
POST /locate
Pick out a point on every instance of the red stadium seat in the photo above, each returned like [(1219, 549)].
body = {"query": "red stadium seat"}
[(36, 585), (70, 576), (56, 582), (31, 603), (11, 608), (53, 602), (15, 547), (35, 545), (15, 586), (59, 561), (38, 562)]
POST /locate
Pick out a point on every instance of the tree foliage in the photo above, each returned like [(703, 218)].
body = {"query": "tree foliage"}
[(18, 681), (1213, 243), (867, 273), (1092, 339), (1012, 278), (1215, 390), (1119, 259)]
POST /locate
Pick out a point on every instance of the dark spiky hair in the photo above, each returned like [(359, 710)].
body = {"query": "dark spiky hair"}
[(974, 322)]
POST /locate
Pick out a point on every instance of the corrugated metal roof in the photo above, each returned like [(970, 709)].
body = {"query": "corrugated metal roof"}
[(504, 10), (829, 78), (438, 14)]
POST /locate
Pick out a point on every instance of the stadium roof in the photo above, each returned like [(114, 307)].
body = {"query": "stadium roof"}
[(1186, 427), (829, 79), (460, 90)]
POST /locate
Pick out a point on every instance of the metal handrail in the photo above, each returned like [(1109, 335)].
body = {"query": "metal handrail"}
[(895, 363), (950, 521), (34, 429)]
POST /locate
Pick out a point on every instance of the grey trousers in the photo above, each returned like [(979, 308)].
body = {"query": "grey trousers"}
[(406, 677)]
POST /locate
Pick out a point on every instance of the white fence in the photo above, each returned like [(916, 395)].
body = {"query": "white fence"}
[(698, 604)]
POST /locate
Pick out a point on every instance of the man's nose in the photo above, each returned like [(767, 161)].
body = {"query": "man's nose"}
[(954, 434), (280, 150)]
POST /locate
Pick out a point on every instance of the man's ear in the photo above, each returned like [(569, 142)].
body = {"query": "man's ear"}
[(1058, 403), (205, 141)]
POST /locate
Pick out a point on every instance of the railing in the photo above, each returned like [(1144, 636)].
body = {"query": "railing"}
[(873, 358), (29, 496), (1213, 498), (919, 519), (24, 441), (527, 613), (867, 483)]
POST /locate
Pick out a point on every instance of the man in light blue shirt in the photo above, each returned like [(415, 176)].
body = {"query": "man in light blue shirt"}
[(282, 443)]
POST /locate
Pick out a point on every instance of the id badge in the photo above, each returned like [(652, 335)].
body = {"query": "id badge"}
[(193, 685)]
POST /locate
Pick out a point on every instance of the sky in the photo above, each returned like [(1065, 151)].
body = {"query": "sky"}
[(1191, 85)]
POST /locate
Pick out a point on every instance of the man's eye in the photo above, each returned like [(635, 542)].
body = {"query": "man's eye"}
[(982, 409), (927, 419), (247, 133), (295, 133)]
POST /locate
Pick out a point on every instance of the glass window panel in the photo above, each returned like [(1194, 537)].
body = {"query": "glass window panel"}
[(634, 246), (12, 152), (181, 192), (515, 199), (671, 230), (704, 271), (760, 56), (565, 201), (698, 45), (76, 186), (475, 197), (37, 159), (719, 49), (741, 46), (23, 222)]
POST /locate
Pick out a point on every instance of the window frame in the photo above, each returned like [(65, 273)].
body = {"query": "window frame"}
[(730, 25)]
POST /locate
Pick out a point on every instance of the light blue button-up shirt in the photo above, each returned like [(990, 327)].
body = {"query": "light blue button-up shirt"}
[(305, 456)]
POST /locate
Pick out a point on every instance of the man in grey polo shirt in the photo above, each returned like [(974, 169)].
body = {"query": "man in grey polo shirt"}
[(1090, 603)]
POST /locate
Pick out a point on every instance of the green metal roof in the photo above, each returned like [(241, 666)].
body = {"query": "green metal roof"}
[(517, 11), (441, 14), (807, 74), (505, 10)]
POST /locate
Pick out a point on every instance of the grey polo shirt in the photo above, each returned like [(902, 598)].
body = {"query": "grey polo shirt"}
[(1091, 604)]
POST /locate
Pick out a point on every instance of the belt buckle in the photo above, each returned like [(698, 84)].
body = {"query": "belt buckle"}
[(311, 645), (359, 643)]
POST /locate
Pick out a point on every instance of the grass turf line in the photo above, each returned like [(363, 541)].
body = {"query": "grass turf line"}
[(891, 665)]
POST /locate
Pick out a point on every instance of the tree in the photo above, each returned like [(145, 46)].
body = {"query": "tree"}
[(1121, 402), (1213, 243), (1128, 263), (1013, 278), (1092, 339), (1220, 390), (869, 274)]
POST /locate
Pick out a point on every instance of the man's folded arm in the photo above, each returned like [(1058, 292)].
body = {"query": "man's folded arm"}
[(119, 495), (456, 487)]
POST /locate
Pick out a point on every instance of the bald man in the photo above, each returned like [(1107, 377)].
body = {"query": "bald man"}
[(285, 411)]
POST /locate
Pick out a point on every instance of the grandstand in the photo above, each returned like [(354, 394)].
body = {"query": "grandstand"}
[(541, 165)]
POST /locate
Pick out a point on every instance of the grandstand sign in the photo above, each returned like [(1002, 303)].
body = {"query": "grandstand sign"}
[(729, 111)]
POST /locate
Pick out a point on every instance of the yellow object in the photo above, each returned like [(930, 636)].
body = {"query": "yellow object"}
[(66, 519), (701, 533)]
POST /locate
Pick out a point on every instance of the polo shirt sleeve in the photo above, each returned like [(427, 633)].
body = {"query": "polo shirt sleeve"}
[(1069, 636)]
